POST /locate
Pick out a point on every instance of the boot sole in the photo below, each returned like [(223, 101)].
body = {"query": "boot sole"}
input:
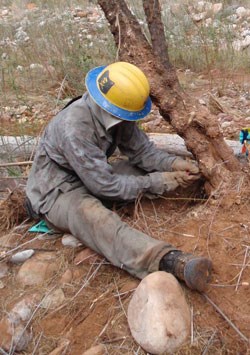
[(197, 273)]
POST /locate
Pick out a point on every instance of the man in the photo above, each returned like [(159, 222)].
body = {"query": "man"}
[(71, 178)]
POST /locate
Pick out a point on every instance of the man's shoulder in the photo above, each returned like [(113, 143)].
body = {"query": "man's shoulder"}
[(75, 113)]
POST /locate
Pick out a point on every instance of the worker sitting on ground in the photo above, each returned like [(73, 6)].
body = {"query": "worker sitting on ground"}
[(71, 180)]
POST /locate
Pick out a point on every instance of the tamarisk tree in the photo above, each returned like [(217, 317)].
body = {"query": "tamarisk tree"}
[(192, 121)]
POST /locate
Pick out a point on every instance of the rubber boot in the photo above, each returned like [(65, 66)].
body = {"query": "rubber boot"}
[(194, 270)]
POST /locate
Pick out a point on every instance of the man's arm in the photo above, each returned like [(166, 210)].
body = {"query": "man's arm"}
[(135, 144), (90, 164)]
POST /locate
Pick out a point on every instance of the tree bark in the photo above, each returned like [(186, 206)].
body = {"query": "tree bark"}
[(192, 121), (156, 29)]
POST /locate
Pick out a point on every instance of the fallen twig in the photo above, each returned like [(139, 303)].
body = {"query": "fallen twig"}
[(114, 340), (7, 253), (193, 199), (3, 352), (243, 268), (120, 301), (192, 325), (209, 343), (5, 165), (226, 318), (37, 343), (182, 234)]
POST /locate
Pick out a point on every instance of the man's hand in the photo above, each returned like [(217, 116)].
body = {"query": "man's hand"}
[(173, 180), (190, 167)]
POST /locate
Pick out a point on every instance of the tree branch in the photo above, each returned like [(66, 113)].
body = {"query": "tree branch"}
[(152, 11)]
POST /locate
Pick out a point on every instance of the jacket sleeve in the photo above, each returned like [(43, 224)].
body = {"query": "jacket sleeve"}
[(90, 164), (135, 144)]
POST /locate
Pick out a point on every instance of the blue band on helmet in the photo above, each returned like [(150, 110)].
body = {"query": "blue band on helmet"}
[(91, 84)]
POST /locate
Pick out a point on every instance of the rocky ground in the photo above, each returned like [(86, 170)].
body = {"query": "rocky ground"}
[(58, 297)]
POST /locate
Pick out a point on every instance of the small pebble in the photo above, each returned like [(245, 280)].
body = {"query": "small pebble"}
[(70, 241), (245, 284), (22, 256)]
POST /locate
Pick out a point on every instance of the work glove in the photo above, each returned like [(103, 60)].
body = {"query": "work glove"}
[(175, 179), (190, 167)]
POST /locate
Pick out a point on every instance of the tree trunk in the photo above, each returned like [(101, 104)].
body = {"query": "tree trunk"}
[(14, 148), (192, 121)]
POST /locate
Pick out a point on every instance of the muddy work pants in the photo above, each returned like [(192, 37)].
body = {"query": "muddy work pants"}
[(85, 217)]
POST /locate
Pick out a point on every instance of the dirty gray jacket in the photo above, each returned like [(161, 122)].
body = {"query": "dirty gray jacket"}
[(74, 151)]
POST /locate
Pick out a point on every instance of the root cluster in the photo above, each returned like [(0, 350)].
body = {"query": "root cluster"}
[(12, 209)]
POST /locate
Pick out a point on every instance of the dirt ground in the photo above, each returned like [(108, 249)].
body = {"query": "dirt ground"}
[(97, 294), (98, 313)]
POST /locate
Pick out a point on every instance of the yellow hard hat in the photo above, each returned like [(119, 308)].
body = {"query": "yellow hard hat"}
[(121, 89)]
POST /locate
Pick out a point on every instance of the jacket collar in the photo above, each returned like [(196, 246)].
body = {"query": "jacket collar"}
[(106, 120)]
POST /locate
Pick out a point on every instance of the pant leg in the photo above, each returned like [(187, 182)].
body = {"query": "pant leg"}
[(85, 217)]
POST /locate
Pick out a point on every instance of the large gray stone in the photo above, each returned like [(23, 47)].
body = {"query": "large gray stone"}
[(158, 314)]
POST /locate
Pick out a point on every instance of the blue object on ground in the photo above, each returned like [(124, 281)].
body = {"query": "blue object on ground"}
[(41, 227)]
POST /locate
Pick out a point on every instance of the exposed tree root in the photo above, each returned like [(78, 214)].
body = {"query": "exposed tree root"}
[(12, 209)]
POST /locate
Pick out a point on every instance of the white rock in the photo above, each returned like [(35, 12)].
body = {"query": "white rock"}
[(202, 102), (5, 12), (158, 314), (226, 124), (241, 44), (13, 336), (22, 310), (246, 42), (241, 11), (53, 300), (245, 33), (4, 56), (70, 241), (217, 7), (208, 21), (203, 6), (36, 66), (22, 256), (199, 17)]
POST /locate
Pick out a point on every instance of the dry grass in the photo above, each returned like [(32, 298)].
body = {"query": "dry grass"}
[(12, 209)]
